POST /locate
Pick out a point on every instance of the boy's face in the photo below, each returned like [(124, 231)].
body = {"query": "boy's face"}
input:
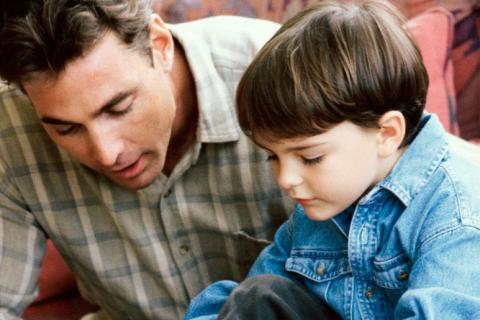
[(111, 110), (328, 172)]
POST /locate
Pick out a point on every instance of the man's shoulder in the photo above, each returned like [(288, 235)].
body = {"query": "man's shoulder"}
[(217, 25), (231, 35), (20, 129), (16, 109)]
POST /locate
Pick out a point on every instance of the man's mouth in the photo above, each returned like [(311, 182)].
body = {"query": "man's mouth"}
[(132, 170)]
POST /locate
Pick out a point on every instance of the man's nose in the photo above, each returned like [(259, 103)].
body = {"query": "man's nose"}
[(106, 146)]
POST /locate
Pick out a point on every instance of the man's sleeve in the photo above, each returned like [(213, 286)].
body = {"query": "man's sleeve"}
[(22, 247), (207, 305)]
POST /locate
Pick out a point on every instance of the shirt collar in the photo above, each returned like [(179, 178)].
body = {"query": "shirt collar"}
[(418, 163), (217, 119)]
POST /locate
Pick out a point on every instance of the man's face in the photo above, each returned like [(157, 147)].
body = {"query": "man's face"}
[(328, 172), (112, 110)]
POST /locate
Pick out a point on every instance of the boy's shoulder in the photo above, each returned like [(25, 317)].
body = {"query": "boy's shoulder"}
[(436, 180), (462, 171), (449, 198)]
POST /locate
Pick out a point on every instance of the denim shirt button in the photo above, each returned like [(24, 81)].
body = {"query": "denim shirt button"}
[(369, 293), (403, 275), (321, 269)]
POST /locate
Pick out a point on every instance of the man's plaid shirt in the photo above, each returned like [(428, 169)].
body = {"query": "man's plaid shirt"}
[(145, 254)]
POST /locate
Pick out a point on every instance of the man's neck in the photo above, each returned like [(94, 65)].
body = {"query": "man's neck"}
[(186, 118)]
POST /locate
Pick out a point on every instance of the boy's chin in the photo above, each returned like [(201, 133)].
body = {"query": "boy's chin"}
[(319, 214)]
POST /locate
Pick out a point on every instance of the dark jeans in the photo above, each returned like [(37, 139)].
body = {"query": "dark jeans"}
[(269, 297)]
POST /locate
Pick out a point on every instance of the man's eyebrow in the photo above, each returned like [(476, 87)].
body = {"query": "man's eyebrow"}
[(116, 99), (50, 120)]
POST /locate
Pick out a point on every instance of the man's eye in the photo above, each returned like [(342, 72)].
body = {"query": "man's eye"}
[(271, 157), (312, 161), (65, 129), (121, 108)]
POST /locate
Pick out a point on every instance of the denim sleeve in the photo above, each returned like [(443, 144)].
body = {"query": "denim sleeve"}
[(444, 281), (208, 303)]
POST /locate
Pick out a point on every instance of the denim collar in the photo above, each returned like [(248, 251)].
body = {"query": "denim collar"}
[(419, 161)]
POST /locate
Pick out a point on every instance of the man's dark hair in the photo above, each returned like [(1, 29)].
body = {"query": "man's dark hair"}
[(42, 37)]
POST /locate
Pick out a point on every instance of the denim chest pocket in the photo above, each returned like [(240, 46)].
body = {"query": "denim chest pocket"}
[(318, 266), (392, 273)]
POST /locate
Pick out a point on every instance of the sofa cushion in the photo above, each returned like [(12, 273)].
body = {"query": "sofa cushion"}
[(433, 32), (55, 278)]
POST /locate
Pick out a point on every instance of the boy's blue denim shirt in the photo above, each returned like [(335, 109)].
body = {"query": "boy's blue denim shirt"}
[(409, 249)]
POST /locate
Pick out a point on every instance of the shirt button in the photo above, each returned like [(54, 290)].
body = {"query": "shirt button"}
[(403, 275), (184, 249), (321, 269), (369, 293)]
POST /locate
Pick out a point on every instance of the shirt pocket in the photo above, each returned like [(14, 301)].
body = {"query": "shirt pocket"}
[(319, 266), (246, 248), (392, 273)]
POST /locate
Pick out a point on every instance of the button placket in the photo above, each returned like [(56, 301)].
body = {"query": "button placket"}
[(403, 275), (184, 249), (369, 293)]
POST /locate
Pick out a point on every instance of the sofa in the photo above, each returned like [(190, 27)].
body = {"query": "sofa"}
[(448, 37)]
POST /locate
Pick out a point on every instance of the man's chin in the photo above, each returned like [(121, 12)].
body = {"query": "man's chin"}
[(134, 184)]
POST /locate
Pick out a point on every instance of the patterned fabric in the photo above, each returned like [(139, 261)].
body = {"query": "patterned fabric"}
[(465, 50), (145, 254)]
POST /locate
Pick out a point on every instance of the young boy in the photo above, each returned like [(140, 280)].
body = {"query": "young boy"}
[(387, 222)]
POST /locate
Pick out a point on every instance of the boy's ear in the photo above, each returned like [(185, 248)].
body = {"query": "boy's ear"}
[(161, 43), (391, 133)]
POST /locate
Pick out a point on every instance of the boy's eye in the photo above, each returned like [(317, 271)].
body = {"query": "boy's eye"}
[(312, 161)]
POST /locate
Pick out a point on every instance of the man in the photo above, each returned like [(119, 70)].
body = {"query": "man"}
[(127, 154)]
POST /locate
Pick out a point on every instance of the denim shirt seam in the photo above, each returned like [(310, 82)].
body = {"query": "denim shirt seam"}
[(463, 210), (445, 228), (405, 195)]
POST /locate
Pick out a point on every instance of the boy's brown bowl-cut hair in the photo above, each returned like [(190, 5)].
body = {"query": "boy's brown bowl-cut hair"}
[(331, 63)]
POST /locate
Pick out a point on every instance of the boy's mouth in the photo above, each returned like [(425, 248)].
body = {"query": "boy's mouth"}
[(303, 202)]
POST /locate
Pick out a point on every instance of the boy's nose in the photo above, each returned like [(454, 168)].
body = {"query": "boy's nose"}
[(288, 177)]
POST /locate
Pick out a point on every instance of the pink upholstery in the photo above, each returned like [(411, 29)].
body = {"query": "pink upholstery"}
[(54, 271), (433, 32), (58, 297)]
